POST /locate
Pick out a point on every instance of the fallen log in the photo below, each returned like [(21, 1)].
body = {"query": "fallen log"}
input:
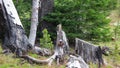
[(33, 60)]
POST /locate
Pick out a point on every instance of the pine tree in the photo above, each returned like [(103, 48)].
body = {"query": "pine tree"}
[(85, 19), (46, 40)]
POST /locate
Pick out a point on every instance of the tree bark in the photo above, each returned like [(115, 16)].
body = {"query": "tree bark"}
[(34, 21), (15, 38)]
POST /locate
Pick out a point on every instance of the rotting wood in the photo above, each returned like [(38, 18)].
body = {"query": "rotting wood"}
[(89, 52)]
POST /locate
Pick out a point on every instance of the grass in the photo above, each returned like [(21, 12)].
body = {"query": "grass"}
[(113, 59), (8, 61)]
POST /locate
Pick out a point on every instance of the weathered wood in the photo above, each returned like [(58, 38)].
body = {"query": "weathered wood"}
[(11, 12), (61, 37), (15, 38), (76, 62), (62, 46), (38, 61), (89, 52), (34, 60)]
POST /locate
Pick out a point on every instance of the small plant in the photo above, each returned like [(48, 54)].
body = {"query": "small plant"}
[(46, 40)]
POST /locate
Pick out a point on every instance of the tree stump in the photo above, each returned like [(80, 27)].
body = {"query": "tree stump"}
[(89, 52)]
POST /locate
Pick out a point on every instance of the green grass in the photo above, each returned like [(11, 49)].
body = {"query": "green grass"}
[(8, 61)]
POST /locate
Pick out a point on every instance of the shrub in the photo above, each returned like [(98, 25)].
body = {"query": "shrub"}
[(46, 40)]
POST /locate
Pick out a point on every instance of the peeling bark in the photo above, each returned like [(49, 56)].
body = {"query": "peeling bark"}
[(15, 38)]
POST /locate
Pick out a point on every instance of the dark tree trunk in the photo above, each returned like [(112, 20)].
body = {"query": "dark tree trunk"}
[(14, 37), (2, 28), (46, 8)]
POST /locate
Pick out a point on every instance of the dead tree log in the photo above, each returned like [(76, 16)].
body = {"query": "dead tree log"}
[(15, 38), (89, 52)]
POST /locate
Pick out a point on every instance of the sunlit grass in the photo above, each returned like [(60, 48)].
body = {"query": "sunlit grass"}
[(8, 61)]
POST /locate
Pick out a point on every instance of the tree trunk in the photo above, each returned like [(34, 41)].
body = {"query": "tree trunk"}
[(34, 21), (46, 7), (15, 38)]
